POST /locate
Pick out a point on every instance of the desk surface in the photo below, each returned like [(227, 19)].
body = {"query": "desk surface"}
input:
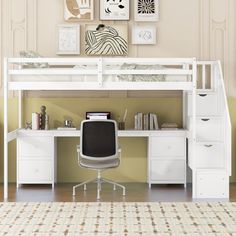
[(121, 133)]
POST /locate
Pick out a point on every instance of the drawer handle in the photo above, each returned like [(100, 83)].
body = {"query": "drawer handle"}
[(205, 119), (210, 145), (169, 147), (202, 95), (36, 170)]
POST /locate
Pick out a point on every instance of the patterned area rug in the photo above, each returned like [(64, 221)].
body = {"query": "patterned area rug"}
[(118, 219)]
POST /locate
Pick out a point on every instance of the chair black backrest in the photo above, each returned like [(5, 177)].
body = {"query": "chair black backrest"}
[(98, 138)]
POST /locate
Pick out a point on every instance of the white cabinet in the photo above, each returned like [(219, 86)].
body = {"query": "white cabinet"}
[(35, 159), (167, 158), (208, 159)]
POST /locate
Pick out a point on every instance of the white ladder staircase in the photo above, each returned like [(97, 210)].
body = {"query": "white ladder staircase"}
[(211, 160)]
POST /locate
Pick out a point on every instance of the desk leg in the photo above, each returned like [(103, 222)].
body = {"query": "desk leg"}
[(54, 162)]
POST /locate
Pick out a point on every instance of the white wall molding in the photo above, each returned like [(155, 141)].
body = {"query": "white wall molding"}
[(24, 27), (215, 26)]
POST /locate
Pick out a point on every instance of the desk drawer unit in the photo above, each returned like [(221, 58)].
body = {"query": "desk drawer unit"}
[(35, 160), (167, 159)]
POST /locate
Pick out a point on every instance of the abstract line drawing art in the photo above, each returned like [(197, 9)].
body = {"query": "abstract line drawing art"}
[(76, 10), (144, 35), (68, 42), (114, 9), (106, 40), (146, 10)]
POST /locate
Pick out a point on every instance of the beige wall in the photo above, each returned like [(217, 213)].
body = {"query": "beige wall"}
[(187, 28)]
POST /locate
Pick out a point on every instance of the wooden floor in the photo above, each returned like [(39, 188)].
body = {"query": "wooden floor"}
[(135, 192)]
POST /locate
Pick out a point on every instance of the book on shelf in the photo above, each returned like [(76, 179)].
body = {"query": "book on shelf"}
[(169, 126), (145, 121)]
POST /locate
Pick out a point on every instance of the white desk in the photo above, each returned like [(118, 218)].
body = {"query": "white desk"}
[(36, 155)]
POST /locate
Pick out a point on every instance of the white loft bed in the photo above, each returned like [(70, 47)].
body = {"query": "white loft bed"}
[(115, 74)]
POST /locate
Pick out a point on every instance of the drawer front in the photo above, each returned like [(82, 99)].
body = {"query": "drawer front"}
[(209, 156), (212, 185), (35, 146), (167, 146), (208, 129), (34, 171), (206, 105), (168, 170)]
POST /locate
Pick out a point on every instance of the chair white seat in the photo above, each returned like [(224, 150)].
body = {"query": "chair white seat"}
[(99, 164)]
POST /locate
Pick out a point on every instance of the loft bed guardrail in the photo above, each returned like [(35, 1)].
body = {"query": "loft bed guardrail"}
[(101, 73)]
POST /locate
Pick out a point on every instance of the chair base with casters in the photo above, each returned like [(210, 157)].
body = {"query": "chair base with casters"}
[(99, 180)]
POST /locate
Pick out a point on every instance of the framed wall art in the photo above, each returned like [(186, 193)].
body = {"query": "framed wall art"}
[(144, 35), (76, 10), (107, 39), (114, 9), (146, 10), (68, 40)]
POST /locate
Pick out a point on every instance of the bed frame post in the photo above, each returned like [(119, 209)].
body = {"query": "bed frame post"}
[(5, 90), (100, 71), (194, 126), (20, 108)]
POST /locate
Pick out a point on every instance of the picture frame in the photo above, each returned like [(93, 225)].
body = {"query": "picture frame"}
[(114, 9), (144, 35), (68, 39), (146, 10), (106, 40), (78, 10)]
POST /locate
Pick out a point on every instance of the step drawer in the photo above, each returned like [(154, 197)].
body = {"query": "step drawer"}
[(168, 170), (32, 171), (206, 105), (167, 146), (212, 184), (209, 156), (35, 146), (208, 129)]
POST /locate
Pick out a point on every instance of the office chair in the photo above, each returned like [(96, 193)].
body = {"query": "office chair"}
[(98, 150)]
